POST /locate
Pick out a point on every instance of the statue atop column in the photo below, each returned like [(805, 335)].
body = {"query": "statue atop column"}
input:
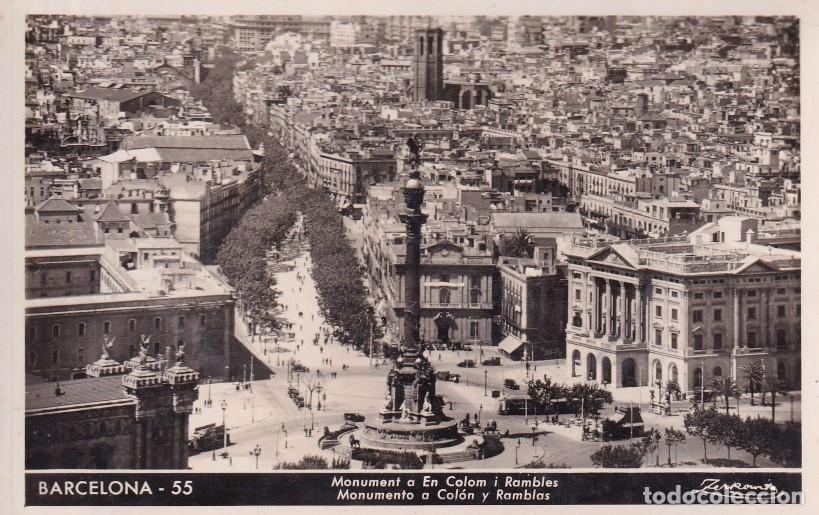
[(415, 150)]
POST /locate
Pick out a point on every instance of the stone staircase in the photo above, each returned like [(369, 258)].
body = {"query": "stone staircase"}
[(457, 457), (342, 449)]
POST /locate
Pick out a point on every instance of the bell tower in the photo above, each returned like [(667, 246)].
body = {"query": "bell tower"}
[(428, 65)]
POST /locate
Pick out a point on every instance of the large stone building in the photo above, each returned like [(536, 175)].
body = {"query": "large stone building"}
[(84, 286), (634, 217), (254, 32), (457, 281), (428, 75), (346, 175), (559, 226), (204, 183), (109, 102), (108, 420), (683, 309), (533, 305), (428, 65)]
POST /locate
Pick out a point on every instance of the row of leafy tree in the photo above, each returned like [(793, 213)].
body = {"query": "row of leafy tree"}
[(336, 270), (216, 90), (582, 398), (758, 436), (636, 453), (314, 462), (242, 255)]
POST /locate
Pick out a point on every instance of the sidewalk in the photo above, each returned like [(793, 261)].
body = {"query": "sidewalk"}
[(243, 407)]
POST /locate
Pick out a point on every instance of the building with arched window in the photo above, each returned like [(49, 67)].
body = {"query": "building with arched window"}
[(682, 310), (112, 419), (533, 303)]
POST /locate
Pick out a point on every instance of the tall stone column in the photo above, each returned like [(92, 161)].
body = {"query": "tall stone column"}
[(181, 380), (139, 437), (147, 443), (638, 294), (610, 309), (621, 308), (767, 323), (629, 314), (595, 305), (737, 315), (413, 192)]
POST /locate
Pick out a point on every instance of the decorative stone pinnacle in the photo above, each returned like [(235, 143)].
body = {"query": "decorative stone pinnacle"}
[(107, 343), (180, 355)]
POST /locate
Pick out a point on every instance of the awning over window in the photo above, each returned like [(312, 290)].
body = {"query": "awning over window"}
[(510, 344), (439, 284)]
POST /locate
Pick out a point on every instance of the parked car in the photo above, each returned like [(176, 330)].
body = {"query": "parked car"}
[(467, 363), (511, 384), (445, 375), (491, 362), (354, 417), (298, 367), (208, 437)]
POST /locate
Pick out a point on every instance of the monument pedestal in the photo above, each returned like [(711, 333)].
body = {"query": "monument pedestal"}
[(411, 435), (413, 416)]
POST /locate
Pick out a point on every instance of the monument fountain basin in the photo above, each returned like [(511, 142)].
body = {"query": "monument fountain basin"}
[(411, 435)]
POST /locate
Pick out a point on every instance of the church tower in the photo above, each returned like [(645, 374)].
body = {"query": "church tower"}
[(428, 65)]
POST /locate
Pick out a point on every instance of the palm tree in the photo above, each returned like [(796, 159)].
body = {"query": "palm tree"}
[(673, 389), (521, 244), (726, 388), (774, 387), (753, 372)]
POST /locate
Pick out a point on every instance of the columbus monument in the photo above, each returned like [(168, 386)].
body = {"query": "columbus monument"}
[(412, 417)]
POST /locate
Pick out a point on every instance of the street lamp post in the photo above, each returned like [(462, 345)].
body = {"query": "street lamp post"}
[(791, 398), (516, 451), (256, 452), (224, 425), (370, 321), (209, 390), (526, 406), (660, 396), (284, 430), (244, 373)]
